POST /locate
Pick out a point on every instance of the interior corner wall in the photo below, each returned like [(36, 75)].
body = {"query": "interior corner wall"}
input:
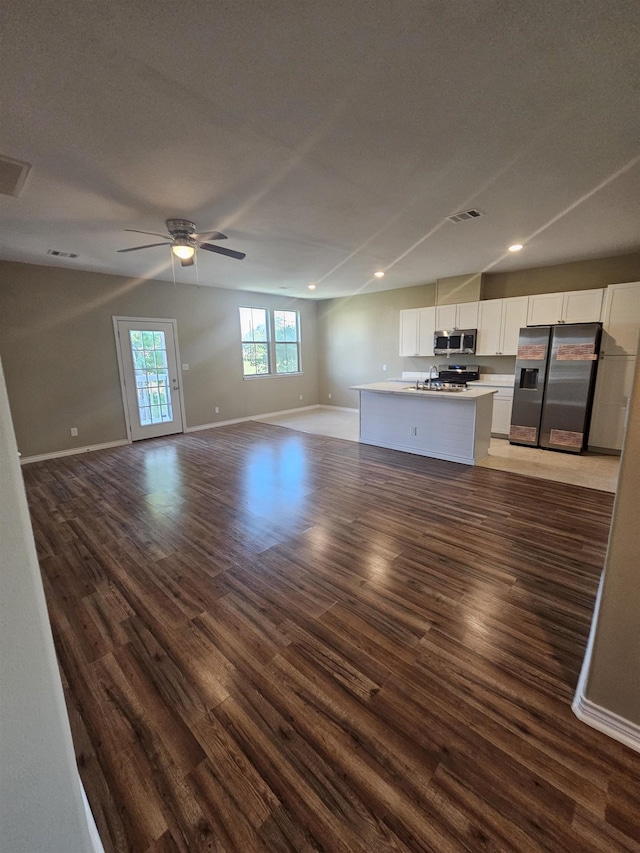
[(613, 681), (357, 335), (41, 805), (58, 349)]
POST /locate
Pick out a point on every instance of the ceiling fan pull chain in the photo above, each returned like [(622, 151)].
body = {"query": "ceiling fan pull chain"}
[(173, 267)]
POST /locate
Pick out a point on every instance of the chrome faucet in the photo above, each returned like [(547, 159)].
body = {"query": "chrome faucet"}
[(431, 369)]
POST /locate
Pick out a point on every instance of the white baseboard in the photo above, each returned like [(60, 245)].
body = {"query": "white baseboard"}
[(90, 448), (73, 451), (605, 721), (252, 418), (91, 824), (337, 408), (596, 716)]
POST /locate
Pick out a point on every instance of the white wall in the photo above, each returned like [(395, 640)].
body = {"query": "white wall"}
[(41, 806)]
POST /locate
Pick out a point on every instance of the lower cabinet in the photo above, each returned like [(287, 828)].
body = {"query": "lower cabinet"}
[(614, 383), (502, 405), (501, 420)]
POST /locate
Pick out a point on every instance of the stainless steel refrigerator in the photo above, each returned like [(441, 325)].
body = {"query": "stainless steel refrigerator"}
[(553, 392)]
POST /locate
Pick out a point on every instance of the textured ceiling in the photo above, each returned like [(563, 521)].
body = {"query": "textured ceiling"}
[(327, 139)]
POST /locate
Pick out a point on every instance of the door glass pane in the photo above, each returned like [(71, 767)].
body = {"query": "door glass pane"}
[(149, 352)]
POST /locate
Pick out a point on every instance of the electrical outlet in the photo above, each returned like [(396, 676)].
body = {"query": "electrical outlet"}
[(329, 396), (384, 367), (185, 367), (74, 431), (414, 430), (301, 396), (217, 410)]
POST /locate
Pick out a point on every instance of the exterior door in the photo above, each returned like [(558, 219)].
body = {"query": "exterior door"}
[(148, 361)]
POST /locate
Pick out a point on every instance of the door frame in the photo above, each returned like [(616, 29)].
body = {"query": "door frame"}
[(123, 390)]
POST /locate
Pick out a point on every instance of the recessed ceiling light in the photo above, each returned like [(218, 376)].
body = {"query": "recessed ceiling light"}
[(516, 247), (379, 274), (311, 286)]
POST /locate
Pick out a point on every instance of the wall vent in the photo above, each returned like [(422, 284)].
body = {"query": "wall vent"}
[(474, 213), (13, 174), (61, 254)]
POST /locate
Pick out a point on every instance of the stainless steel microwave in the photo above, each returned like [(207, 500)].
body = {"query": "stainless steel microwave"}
[(455, 341)]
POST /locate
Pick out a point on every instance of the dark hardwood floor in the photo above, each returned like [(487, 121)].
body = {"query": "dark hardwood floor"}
[(275, 641)]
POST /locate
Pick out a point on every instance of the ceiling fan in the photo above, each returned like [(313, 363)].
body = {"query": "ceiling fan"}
[(184, 240)]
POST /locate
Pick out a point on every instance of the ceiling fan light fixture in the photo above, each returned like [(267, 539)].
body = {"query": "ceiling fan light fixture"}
[(183, 250)]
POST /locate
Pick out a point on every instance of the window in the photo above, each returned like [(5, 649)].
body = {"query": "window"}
[(255, 346), (270, 341)]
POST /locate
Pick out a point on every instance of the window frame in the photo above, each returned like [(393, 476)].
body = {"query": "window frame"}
[(271, 342)]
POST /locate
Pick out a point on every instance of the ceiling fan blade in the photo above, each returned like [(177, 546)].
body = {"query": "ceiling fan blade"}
[(149, 246), (187, 262), (222, 251), (153, 233), (209, 235)]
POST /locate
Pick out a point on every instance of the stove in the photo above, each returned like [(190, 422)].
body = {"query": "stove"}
[(458, 374)]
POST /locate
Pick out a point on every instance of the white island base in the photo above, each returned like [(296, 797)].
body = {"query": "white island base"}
[(451, 426)]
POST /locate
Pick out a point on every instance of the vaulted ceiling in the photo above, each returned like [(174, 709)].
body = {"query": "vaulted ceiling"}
[(327, 139)]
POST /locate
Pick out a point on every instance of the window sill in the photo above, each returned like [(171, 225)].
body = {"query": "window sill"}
[(271, 376)]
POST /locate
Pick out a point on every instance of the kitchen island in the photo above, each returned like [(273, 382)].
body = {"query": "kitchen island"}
[(451, 425)]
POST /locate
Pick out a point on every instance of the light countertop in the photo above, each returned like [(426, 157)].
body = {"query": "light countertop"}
[(498, 380), (472, 393)]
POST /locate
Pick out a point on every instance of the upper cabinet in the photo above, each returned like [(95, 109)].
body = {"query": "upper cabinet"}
[(417, 326), (575, 306), (426, 329), (409, 331), (499, 324), (464, 315), (621, 319), (499, 321)]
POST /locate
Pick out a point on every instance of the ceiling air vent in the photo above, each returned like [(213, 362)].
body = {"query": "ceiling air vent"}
[(61, 254), (464, 215), (13, 174)]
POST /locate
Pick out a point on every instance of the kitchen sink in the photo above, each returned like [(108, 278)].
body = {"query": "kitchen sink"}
[(439, 387)]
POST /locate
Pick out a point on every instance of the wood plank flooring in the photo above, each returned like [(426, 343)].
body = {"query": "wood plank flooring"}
[(276, 641)]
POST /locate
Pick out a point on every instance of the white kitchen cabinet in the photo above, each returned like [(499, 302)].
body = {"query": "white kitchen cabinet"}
[(409, 332), (501, 419), (489, 327), (464, 315), (582, 306), (499, 324), (426, 329), (417, 326), (502, 406), (621, 319), (467, 315), (446, 316), (574, 306), (545, 309), (614, 383), (514, 318)]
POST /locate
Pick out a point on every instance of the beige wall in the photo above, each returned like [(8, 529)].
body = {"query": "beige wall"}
[(58, 350), (580, 275), (358, 334), (614, 678), (41, 808), (459, 288)]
